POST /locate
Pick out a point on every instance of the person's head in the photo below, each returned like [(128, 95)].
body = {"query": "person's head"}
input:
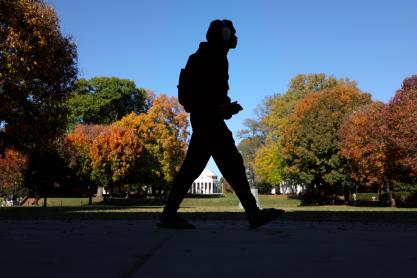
[(222, 32)]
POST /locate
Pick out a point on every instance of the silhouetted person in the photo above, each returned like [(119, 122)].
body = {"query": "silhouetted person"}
[(202, 90)]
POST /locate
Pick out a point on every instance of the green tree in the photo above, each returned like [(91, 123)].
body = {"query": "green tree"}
[(252, 139), (309, 139), (46, 172), (275, 112), (280, 106), (103, 100)]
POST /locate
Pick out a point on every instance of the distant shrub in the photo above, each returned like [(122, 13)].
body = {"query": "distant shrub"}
[(406, 199)]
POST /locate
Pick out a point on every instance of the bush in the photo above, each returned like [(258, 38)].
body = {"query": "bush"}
[(402, 198), (405, 199)]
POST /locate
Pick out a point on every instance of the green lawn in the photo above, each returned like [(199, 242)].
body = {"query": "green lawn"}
[(204, 208)]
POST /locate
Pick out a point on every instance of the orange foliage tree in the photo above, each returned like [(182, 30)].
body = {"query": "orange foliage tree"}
[(12, 165), (114, 155), (380, 141), (363, 142), (103, 155), (76, 152), (163, 130), (402, 127)]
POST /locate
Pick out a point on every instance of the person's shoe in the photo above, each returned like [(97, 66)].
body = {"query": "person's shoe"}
[(263, 217), (174, 222)]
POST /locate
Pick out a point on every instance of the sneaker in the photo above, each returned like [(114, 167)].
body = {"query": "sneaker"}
[(174, 222), (263, 217)]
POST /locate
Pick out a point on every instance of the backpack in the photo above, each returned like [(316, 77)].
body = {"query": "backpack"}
[(189, 81), (184, 89)]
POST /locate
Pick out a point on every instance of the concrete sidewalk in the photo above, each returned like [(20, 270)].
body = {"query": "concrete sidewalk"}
[(216, 249)]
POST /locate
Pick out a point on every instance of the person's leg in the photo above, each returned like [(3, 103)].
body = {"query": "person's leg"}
[(230, 164), (194, 163)]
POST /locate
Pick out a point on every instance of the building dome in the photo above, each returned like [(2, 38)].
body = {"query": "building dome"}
[(207, 173)]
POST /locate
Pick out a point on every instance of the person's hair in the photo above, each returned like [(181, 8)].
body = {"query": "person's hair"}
[(215, 30)]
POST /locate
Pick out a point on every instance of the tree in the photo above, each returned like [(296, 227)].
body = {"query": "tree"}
[(12, 166), (103, 100), (163, 131), (46, 171), (363, 142), (267, 160), (103, 155), (75, 150), (402, 127), (309, 139), (252, 139), (268, 165), (37, 70), (114, 155), (280, 106), (276, 112)]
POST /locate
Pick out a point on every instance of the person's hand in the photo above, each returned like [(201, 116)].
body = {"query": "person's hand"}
[(226, 111)]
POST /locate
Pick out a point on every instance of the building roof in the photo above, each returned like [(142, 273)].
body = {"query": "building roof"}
[(206, 176), (207, 173)]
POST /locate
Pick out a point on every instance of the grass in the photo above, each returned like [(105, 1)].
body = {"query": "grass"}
[(203, 209)]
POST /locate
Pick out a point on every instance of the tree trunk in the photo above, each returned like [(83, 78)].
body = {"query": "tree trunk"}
[(391, 199), (90, 196), (99, 192), (44, 201), (36, 196), (346, 196), (128, 191)]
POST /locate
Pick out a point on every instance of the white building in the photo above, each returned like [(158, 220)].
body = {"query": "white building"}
[(206, 184), (287, 187)]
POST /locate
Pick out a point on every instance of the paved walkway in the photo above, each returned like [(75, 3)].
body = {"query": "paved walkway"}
[(216, 249)]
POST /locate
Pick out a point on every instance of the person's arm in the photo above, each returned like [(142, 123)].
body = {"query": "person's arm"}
[(227, 110)]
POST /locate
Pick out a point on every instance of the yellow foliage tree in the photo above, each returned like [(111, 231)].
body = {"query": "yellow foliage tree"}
[(163, 130)]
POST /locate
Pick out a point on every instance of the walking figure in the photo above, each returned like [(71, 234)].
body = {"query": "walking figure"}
[(202, 90)]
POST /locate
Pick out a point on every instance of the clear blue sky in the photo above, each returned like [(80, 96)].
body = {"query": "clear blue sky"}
[(372, 42)]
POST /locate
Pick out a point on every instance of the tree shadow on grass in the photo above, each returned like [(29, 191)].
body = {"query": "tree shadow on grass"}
[(129, 213), (132, 202)]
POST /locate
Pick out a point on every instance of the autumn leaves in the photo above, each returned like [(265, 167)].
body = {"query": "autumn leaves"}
[(328, 135), (145, 148)]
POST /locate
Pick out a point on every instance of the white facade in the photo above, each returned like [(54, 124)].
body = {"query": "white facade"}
[(287, 187), (206, 184)]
